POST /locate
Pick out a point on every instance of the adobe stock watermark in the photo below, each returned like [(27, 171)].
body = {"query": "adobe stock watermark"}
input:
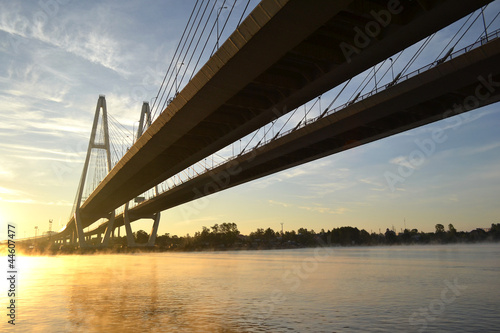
[(48, 10), (436, 307), (372, 29), (427, 147)]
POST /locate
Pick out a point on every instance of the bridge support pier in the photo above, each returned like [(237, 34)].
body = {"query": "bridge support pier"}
[(80, 236), (128, 229), (154, 229), (109, 229)]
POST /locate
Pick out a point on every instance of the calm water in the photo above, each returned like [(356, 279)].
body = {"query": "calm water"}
[(369, 289)]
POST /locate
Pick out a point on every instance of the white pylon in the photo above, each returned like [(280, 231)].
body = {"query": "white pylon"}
[(100, 108)]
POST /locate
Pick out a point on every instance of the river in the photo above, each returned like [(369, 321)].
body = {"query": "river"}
[(435, 288)]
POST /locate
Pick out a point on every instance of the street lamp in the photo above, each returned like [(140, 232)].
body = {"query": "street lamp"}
[(392, 68), (50, 229), (133, 131), (175, 80), (36, 229), (217, 22)]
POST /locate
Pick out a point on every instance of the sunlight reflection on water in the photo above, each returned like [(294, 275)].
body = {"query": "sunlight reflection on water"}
[(347, 290)]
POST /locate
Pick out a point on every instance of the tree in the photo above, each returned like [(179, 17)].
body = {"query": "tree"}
[(452, 229), (305, 237), (439, 228), (141, 237), (229, 233), (257, 235), (390, 236), (364, 237), (269, 235), (495, 231), (405, 236), (290, 236)]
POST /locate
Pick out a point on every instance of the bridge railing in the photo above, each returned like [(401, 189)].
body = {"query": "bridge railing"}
[(484, 40)]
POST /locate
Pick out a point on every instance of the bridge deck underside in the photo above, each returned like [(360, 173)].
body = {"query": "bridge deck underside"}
[(428, 97), (284, 54)]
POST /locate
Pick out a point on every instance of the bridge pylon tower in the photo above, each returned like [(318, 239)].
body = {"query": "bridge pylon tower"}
[(144, 123), (100, 143)]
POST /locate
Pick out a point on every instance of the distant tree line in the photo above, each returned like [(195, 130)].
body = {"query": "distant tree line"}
[(227, 236)]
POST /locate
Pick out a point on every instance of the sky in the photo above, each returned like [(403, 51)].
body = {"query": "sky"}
[(57, 57)]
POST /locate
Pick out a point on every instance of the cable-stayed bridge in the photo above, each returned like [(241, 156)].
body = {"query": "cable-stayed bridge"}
[(284, 54)]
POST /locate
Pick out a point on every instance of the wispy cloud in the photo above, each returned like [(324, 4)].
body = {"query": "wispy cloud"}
[(480, 149), (36, 202), (201, 220), (23, 201), (319, 190), (313, 207), (16, 196), (325, 210), (402, 161), (277, 203), (4, 190), (299, 175), (84, 34), (31, 148), (377, 186), (6, 173)]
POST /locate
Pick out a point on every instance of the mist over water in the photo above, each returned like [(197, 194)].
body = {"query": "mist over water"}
[(452, 288)]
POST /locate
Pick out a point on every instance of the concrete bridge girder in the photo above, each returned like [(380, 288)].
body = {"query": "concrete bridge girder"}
[(239, 62)]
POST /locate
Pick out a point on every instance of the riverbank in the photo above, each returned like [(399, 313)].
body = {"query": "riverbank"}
[(226, 237), (94, 250)]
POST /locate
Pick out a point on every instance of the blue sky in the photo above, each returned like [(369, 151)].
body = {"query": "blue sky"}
[(55, 60)]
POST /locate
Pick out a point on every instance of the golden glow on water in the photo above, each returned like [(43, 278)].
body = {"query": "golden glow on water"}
[(268, 291)]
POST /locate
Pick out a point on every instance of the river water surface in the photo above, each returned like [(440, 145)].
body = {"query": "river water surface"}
[(449, 288)]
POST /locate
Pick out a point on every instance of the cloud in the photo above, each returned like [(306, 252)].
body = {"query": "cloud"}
[(466, 151), (314, 207), (35, 202), (6, 174), (23, 201), (277, 203), (377, 186), (481, 149), (266, 182), (325, 210), (31, 148), (402, 161), (17, 196), (46, 158), (83, 33), (206, 219), (320, 190), (4, 190), (300, 175)]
